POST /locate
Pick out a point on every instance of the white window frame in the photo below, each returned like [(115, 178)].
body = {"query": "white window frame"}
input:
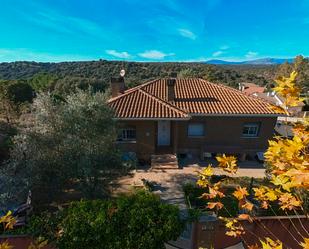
[(124, 134), (251, 127), (200, 125)]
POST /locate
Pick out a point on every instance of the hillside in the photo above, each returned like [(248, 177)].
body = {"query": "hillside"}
[(65, 76)]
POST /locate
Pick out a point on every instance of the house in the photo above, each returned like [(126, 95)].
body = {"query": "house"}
[(272, 97), (251, 88), (190, 116), (275, 99)]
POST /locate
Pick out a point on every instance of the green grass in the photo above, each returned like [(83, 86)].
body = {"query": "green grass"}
[(193, 193)]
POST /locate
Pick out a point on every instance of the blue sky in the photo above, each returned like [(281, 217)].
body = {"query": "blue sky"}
[(152, 30)]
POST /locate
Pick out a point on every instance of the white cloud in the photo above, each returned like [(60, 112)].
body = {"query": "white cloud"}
[(122, 55), (154, 54), (251, 54), (187, 33), (217, 53)]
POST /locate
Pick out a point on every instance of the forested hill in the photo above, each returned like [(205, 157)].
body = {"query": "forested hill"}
[(66, 76)]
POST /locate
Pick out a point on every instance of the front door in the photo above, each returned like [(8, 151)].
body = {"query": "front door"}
[(164, 133)]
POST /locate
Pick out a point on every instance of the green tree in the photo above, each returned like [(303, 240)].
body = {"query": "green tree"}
[(300, 65), (186, 73), (136, 221), (72, 141), (14, 97), (20, 92), (42, 81)]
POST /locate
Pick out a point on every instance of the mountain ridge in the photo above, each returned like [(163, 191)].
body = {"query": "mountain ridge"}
[(261, 61)]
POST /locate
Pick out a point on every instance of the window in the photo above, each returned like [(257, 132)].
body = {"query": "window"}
[(195, 130), (127, 134), (251, 130)]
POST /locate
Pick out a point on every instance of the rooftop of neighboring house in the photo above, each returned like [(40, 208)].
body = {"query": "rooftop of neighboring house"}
[(250, 88), (180, 98), (273, 98), (270, 97)]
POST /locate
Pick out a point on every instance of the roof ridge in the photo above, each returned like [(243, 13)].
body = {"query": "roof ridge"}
[(131, 90), (142, 85), (163, 102)]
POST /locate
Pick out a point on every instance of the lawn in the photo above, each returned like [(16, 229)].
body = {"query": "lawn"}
[(193, 192)]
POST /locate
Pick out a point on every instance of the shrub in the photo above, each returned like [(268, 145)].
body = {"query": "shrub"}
[(136, 221)]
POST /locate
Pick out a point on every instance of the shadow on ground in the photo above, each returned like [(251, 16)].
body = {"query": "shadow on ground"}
[(248, 164)]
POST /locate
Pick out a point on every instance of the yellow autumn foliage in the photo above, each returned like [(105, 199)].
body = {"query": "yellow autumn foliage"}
[(5, 245), (288, 162)]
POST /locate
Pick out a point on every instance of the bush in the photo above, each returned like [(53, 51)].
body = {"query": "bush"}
[(20, 92), (136, 221)]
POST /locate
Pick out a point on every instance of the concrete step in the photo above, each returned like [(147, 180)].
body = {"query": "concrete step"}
[(164, 158), (160, 166), (164, 161)]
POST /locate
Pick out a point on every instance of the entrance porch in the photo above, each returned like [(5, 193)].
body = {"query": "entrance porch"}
[(166, 137)]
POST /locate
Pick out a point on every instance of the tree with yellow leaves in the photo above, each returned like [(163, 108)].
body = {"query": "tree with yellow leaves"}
[(8, 221), (288, 163)]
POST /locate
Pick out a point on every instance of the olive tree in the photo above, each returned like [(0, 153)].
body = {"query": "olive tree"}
[(69, 145)]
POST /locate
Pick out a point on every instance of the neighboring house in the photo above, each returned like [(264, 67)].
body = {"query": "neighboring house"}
[(190, 116), (251, 88), (276, 99), (272, 97)]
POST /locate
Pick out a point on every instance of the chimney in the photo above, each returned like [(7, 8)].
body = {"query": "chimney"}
[(118, 86), (171, 87)]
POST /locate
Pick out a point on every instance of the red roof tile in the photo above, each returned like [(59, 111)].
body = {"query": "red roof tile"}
[(192, 96), (140, 104)]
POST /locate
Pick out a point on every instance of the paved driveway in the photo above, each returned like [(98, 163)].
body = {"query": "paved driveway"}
[(168, 183)]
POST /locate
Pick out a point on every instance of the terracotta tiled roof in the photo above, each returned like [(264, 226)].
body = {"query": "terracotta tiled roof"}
[(250, 88), (192, 96), (140, 104)]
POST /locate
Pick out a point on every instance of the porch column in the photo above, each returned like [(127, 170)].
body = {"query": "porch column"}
[(175, 136)]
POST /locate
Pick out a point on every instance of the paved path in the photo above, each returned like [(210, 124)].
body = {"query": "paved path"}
[(169, 182), (169, 185)]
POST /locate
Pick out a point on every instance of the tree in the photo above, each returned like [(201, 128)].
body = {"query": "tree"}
[(42, 81), (301, 66), (14, 96), (20, 92), (136, 221), (72, 142), (288, 161), (186, 73)]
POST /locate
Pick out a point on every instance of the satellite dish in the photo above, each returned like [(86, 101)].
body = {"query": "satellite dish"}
[(122, 72)]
